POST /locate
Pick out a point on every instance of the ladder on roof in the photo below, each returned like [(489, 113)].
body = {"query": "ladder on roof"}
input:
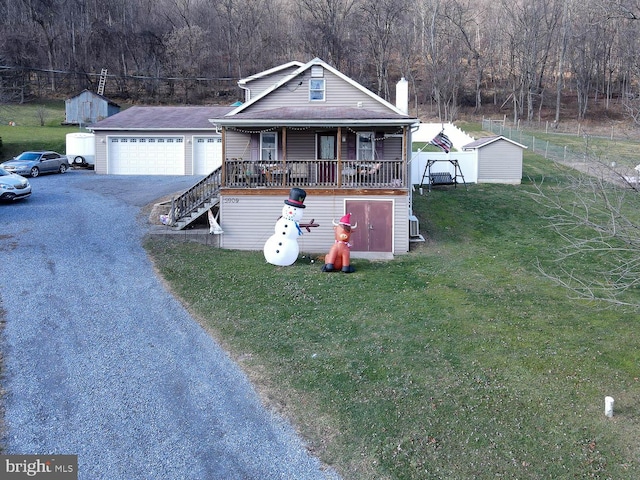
[(103, 80)]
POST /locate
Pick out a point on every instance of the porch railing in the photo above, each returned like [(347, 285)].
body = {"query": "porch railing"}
[(319, 173), (195, 197)]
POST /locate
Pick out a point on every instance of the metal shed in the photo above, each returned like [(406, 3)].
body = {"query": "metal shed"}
[(88, 107)]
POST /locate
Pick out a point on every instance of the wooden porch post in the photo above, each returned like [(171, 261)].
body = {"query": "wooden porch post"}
[(223, 170), (284, 155), (405, 157), (339, 157)]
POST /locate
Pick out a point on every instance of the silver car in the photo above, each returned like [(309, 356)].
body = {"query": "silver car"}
[(12, 186), (36, 162)]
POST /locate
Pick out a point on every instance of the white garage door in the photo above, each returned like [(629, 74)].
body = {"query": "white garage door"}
[(207, 154), (146, 156)]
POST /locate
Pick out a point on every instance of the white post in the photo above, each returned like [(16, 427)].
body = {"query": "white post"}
[(608, 406)]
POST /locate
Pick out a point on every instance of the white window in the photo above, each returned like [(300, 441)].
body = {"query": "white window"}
[(316, 89), (269, 146), (366, 145)]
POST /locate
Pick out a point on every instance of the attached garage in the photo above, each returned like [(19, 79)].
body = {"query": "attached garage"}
[(207, 154), (145, 156), (159, 141)]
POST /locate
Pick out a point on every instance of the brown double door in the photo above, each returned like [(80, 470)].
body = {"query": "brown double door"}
[(375, 225)]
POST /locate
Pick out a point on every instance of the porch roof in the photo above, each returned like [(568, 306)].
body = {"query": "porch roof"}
[(313, 116)]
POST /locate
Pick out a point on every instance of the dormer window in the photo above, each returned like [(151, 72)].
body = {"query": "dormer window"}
[(316, 90)]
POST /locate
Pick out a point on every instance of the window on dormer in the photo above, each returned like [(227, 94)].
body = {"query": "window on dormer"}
[(316, 89)]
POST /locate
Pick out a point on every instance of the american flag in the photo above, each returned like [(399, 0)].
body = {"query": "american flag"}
[(442, 141)]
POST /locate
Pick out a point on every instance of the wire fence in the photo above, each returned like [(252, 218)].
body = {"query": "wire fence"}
[(589, 160), (558, 153)]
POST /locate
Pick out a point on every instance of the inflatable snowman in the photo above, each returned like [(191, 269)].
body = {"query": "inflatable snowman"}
[(282, 247)]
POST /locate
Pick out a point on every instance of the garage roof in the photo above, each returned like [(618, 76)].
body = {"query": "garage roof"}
[(162, 118)]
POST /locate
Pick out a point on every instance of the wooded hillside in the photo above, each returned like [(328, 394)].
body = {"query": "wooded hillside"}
[(517, 57)]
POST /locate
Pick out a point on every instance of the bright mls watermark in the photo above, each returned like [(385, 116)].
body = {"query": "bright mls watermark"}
[(47, 467)]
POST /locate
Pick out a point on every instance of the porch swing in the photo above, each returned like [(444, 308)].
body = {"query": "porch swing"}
[(442, 178)]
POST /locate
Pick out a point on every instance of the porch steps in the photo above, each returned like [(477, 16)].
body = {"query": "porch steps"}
[(184, 222), (197, 200)]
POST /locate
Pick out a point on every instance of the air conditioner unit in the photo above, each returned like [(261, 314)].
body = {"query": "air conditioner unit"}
[(414, 228)]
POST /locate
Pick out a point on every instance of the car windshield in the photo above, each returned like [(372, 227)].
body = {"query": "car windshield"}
[(3, 172), (28, 156)]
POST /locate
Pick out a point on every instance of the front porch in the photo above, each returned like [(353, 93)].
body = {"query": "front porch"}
[(348, 174)]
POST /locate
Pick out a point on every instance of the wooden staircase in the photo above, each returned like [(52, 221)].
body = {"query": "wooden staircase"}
[(196, 201)]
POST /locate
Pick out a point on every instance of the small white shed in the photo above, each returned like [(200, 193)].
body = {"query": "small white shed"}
[(499, 159)]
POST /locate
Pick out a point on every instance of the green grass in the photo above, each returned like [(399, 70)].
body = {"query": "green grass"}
[(458, 360), (28, 134)]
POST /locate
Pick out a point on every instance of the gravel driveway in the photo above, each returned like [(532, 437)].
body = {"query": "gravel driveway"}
[(101, 362)]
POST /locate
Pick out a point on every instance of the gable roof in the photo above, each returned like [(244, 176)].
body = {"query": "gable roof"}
[(102, 97), (271, 71), (484, 141), (314, 115), (161, 118)]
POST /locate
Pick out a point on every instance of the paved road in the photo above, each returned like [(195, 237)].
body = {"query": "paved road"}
[(102, 362)]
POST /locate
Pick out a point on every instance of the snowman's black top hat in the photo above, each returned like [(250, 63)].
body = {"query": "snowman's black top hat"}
[(296, 198)]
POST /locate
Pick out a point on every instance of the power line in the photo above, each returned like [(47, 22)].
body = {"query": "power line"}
[(135, 77)]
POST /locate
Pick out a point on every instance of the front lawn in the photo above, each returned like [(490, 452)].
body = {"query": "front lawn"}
[(458, 360)]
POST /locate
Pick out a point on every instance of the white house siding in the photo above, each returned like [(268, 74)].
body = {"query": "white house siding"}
[(338, 94), (301, 145), (258, 214), (237, 144), (500, 162), (393, 148), (100, 165)]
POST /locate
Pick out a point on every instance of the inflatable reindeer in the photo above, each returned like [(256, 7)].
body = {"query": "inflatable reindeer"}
[(338, 258)]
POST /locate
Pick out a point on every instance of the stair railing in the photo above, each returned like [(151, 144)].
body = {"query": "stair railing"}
[(196, 196)]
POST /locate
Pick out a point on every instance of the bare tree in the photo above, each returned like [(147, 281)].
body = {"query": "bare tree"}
[(42, 115), (466, 17), (379, 21), (599, 225), (324, 28), (445, 65), (530, 33)]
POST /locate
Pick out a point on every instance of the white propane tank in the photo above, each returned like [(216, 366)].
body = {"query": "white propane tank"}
[(81, 149)]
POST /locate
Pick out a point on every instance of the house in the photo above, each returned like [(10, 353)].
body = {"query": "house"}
[(301, 125), (499, 159), (88, 107)]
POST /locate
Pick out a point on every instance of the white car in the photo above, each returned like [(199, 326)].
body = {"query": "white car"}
[(12, 186)]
